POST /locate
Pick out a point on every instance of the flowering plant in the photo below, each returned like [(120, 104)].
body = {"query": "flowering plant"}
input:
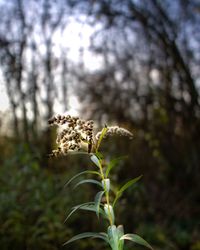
[(78, 135)]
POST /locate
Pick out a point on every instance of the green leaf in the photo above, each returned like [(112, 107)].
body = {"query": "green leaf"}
[(129, 183), (95, 160), (113, 236), (97, 201), (124, 187), (92, 207), (137, 239), (88, 181), (99, 155), (108, 209), (113, 163), (74, 209), (102, 236), (82, 173), (120, 230), (103, 132)]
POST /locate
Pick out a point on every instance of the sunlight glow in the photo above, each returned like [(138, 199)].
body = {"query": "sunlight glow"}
[(75, 36)]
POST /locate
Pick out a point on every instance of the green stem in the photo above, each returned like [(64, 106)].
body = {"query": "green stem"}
[(107, 195)]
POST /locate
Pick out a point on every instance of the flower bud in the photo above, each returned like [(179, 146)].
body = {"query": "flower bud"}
[(106, 184), (109, 212)]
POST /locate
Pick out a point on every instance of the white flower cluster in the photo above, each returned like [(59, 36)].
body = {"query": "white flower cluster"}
[(115, 130)]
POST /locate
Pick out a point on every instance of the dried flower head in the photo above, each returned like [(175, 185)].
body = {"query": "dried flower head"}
[(77, 134), (115, 130), (74, 132)]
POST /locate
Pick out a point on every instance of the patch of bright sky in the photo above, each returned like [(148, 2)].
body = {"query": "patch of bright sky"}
[(73, 105), (4, 104), (76, 36)]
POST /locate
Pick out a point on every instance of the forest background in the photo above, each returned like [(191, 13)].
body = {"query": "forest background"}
[(131, 63)]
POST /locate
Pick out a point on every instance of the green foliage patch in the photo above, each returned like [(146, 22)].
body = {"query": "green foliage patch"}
[(32, 205)]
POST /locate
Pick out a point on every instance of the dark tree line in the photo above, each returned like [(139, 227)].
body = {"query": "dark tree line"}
[(150, 82), (33, 72), (150, 46)]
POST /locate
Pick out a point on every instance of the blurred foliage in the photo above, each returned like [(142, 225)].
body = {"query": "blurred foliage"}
[(32, 205), (34, 202)]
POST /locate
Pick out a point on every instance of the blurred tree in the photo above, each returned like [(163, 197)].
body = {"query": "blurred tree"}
[(49, 22), (149, 37), (33, 79), (149, 80), (31, 64)]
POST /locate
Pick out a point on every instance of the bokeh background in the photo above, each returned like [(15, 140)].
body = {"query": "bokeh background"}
[(126, 62)]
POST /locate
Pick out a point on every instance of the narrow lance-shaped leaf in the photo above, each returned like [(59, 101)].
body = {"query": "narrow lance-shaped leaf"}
[(79, 174), (76, 208), (92, 207), (124, 187), (88, 181), (113, 163), (97, 201), (129, 183), (104, 131), (137, 239), (87, 235)]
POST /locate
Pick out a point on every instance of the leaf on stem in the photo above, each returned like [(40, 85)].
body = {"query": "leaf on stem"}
[(137, 239), (88, 181), (124, 187), (82, 173), (97, 201), (113, 163), (113, 236), (120, 230), (92, 207), (95, 160), (104, 131), (102, 236), (74, 209), (110, 213)]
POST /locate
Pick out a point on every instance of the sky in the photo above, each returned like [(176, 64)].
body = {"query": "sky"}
[(3, 96), (79, 34)]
